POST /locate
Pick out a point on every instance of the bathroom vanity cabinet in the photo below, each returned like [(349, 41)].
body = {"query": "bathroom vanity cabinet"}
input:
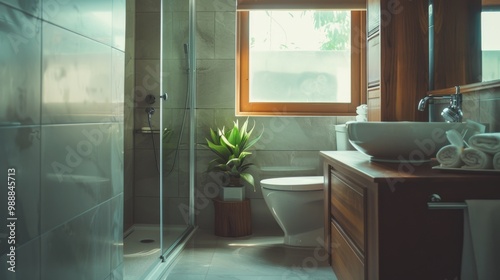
[(378, 224)]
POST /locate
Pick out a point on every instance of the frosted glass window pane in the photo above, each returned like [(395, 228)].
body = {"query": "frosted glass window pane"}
[(490, 46), (300, 56)]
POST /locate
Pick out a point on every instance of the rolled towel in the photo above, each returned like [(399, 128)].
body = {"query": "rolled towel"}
[(486, 142), (361, 118), (476, 159), (496, 161), (449, 156)]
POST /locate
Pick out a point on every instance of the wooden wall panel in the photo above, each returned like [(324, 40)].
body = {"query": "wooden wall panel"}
[(457, 42), (404, 62)]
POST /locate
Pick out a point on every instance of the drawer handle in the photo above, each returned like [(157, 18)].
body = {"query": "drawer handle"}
[(436, 204), (446, 205)]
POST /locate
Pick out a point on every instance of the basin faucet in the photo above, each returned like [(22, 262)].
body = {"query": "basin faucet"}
[(452, 113)]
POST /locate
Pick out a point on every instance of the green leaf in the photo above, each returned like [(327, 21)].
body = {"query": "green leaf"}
[(249, 179), (231, 148), (219, 150), (215, 138), (226, 142)]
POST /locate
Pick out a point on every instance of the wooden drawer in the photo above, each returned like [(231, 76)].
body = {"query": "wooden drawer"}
[(346, 263), (348, 209)]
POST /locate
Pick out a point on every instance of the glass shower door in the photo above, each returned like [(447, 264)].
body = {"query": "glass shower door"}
[(175, 123)]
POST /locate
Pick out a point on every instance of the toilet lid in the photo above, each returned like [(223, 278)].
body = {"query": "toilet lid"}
[(308, 183)]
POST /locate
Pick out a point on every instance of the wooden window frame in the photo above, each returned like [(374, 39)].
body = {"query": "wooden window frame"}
[(358, 77)]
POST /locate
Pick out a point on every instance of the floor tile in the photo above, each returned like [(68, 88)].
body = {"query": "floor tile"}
[(261, 256)]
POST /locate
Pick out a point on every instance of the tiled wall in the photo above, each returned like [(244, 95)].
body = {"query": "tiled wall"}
[(147, 82), (287, 142), (481, 106), (146, 69), (61, 130)]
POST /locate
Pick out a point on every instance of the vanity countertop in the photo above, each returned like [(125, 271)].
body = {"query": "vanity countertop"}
[(360, 164)]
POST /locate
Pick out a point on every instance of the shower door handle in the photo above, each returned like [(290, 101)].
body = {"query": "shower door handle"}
[(164, 96)]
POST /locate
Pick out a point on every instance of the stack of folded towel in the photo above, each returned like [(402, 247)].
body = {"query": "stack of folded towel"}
[(483, 153), (449, 156), (362, 113), (489, 144), (476, 159)]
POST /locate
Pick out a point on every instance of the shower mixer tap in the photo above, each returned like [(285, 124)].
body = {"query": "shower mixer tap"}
[(150, 111)]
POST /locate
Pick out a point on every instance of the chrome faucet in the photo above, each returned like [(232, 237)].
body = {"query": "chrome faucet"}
[(452, 113)]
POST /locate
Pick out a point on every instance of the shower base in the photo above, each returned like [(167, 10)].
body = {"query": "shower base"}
[(141, 248)]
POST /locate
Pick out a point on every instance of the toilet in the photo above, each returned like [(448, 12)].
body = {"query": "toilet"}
[(297, 205)]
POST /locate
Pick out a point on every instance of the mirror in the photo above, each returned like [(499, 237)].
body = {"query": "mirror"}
[(464, 47)]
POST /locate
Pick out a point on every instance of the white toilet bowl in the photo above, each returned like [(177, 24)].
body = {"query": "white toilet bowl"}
[(297, 205)]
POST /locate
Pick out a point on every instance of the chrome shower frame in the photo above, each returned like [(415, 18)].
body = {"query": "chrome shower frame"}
[(168, 255)]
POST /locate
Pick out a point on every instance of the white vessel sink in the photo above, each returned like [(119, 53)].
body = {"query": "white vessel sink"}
[(400, 141)]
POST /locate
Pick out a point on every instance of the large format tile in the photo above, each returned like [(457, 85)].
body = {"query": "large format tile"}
[(20, 157), (147, 41), (216, 84), (301, 133), (31, 7), (118, 85), (176, 211), (19, 67), (77, 79), (146, 210), (205, 40), (489, 108), (80, 248), (119, 22), (261, 256), (27, 262), (91, 18), (225, 37), (79, 167), (216, 5)]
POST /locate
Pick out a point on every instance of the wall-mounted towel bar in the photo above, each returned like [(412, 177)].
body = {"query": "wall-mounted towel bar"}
[(446, 205)]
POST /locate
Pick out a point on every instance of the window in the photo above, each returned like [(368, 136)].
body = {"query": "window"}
[(490, 45), (300, 61)]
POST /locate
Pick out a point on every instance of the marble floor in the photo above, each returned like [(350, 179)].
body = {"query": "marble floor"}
[(261, 256)]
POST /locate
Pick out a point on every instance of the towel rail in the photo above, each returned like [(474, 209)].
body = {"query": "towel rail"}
[(446, 205)]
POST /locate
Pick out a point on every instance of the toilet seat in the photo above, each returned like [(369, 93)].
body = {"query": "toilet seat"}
[(306, 183)]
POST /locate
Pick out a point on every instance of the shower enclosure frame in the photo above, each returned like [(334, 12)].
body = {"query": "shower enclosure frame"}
[(166, 251)]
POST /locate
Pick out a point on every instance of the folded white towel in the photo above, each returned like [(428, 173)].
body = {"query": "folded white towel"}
[(496, 161), (449, 156), (360, 118), (360, 111), (476, 159), (486, 142)]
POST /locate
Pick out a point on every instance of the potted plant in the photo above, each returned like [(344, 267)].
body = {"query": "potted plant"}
[(230, 165)]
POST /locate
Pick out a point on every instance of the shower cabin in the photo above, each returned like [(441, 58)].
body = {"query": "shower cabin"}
[(164, 136)]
